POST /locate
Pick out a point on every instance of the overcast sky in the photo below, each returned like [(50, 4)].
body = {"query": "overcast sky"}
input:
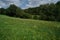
[(25, 3)]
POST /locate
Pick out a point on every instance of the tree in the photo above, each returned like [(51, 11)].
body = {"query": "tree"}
[(11, 11), (2, 11)]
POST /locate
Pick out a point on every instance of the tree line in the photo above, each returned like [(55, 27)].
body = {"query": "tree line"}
[(49, 12)]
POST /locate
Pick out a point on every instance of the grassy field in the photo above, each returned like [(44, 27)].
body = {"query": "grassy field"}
[(28, 29)]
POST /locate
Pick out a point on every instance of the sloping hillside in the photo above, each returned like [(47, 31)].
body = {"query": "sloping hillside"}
[(27, 29)]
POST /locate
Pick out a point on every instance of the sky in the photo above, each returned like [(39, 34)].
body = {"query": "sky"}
[(25, 3)]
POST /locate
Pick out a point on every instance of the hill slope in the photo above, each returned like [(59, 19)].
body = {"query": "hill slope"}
[(26, 29)]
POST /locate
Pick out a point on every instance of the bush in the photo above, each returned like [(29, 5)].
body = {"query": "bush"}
[(26, 15), (35, 17)]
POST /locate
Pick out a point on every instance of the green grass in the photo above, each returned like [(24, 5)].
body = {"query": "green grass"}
[(28, 29)]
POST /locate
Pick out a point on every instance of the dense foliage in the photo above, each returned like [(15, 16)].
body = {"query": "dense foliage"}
[(14, 11), (50, 12)]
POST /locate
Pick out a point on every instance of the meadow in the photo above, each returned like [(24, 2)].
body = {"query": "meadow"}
[(28, 29)]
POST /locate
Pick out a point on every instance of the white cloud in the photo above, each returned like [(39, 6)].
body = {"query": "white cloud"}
[(5, 3), (31, 3), (34, 3)]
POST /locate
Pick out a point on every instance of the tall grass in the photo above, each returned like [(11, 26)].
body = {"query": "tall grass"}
[(27, 29)]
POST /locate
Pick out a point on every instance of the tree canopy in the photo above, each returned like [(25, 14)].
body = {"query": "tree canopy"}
[(50, 12)]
